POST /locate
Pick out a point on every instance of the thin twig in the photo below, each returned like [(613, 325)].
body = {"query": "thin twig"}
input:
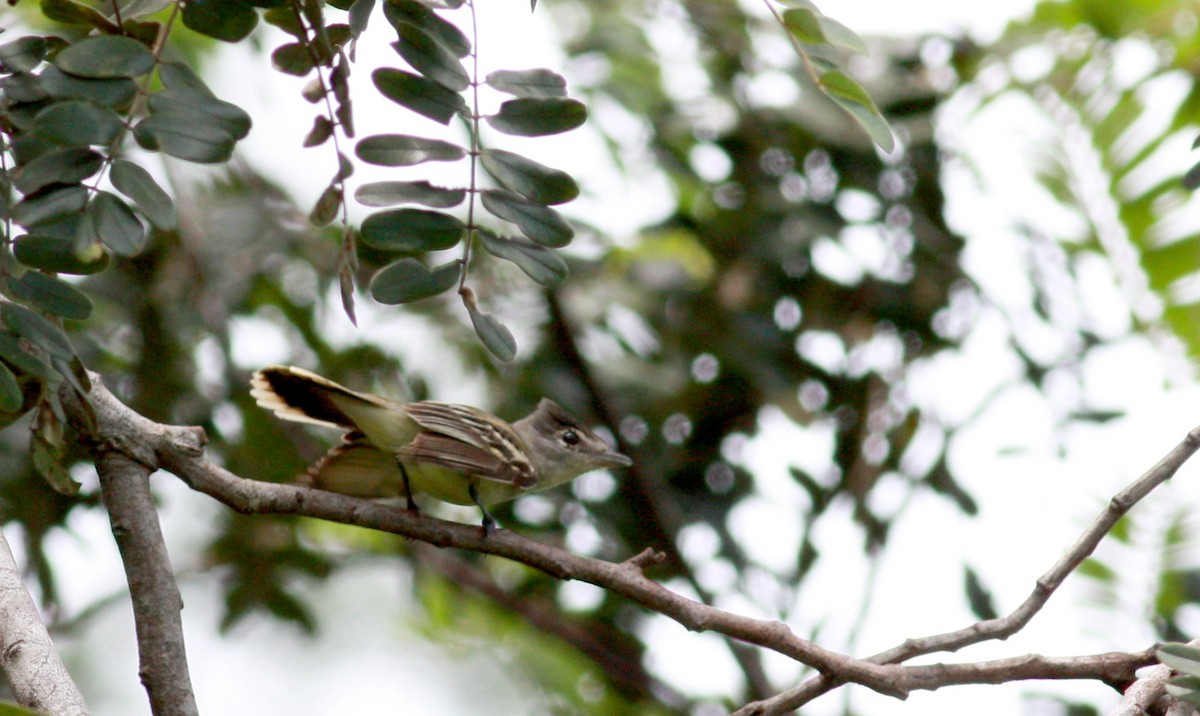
[(34, 669)]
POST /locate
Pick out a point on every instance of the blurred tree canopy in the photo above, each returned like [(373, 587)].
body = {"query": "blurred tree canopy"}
[(798, 272)]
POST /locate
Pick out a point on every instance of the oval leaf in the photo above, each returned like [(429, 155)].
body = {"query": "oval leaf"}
[(539, 223), (850, 96), (423, 96), (325, 210), (52, 253), (202, 107), (399, 150), (37, 330), (51, 295), (529, 117), (411, 230), (528, 83), (410, 280), (390, 193), (23, 54), (115, 224), (61, 166), (115, 93), (534, 181), (538, 262), (106, 56), (399, 12), (180, 135), (50, 206), (294, 58), (19, 357), (494, 335), (11, 397), (228, 20), (430, 58), (136, 183), (78, 123)]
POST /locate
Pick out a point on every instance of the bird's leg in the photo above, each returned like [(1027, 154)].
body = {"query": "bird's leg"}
[(408, 496), (488, 523)]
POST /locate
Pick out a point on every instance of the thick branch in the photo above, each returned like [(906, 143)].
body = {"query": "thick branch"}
[(34, 669), (125, 485), (1044, 588)]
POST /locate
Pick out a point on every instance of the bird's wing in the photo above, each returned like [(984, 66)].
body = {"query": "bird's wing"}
[(459, 438)]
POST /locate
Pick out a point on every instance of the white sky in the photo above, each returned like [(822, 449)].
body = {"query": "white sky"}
[(1034, 503)]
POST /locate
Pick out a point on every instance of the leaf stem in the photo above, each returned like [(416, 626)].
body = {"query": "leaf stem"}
[(472, 230)]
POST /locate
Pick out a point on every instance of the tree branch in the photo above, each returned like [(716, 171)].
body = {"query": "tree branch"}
[(34, 669), (1044, 588)]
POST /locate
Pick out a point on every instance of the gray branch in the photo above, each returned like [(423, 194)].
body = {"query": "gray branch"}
[(33, 667), (180, 451)]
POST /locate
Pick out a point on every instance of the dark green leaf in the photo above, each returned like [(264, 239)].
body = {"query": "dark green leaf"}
[(50, 206), (430, 57), (37, 330), (423, 96), (400, 12), (390, 193), (11, 396), (321, 131), (228, 20), (59, 255), (63, 166), (494, 335), (540, 84), (136, 183), (539, 223), (360, 16), (73, 13), (411, 230), (534, 181), (204, 109), (528, 117), (850, 96), (293, 58), (399, 150), (78, 123), (115, 224), (409, 280), (115, 93), (20, 358), (51, 295), (106, 56), (23, 55), (181, 77), (180, 135), (325, 210), (23, 88), (540, 263)]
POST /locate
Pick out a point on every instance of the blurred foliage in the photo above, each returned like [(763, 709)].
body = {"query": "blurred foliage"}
[(798, 272)]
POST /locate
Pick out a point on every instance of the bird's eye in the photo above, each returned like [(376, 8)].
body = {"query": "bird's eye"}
[(570, 437)]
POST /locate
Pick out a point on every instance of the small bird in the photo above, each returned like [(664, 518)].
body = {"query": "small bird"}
[(454, 453)]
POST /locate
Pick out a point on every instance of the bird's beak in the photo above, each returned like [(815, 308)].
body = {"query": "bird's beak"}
[(612, 458)]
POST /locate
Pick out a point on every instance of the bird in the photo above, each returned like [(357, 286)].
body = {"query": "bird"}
[(454, 453)]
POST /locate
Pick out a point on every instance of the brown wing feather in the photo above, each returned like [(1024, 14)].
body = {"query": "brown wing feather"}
[(457, 437)]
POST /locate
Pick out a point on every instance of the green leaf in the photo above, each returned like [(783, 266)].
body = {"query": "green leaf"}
[(59, 255), (839, 35), (409, 280), (538, 262), (850, 96), (180, 135), (45, 207), (534, 181), (400, 12), (326, 207), (115, 93), (203, 108), (11, 396), (181, 77), (538, 84), (529, 117), (47, 448), (399, 150), (115, 224), (136, 183), (37, 330), (411, 230), (78, 123), (61, 166), (19, 357), (294, 58), (539, 223), (51, 295), (802, 22), (430, 57), (1181, 657), (360, 16), (106, 56), (23, 55), (423, 96), (73, 13), (228, 20), (494, 335), (391, 193)]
